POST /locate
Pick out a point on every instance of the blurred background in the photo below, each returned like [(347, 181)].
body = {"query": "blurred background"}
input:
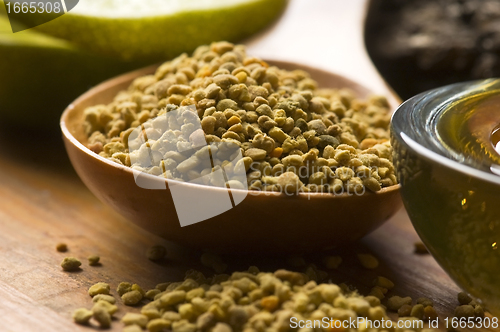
[(415, 45), (422, 44)]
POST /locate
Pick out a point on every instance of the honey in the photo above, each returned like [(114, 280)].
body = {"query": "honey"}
[(469, 129), (447, 162)]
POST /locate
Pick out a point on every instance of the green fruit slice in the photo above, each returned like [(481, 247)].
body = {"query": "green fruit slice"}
[(156, 30), (41, 75)]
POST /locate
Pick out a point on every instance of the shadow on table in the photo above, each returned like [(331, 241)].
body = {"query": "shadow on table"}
[(36, 148)]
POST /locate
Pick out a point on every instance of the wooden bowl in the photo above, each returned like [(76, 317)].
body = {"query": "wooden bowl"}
[(268, 222)]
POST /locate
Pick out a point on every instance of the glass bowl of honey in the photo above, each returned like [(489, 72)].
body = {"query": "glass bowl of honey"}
[(447, 157)]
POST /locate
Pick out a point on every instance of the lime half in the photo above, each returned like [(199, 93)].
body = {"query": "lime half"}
[(41, 75), (156, 30)]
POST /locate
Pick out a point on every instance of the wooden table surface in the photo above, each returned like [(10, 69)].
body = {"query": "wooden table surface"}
[(43, 202)]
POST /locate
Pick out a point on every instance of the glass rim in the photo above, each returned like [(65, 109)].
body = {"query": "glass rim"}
[(417, 136)]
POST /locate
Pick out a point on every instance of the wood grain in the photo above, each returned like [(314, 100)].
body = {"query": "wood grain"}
[(43, 202)]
